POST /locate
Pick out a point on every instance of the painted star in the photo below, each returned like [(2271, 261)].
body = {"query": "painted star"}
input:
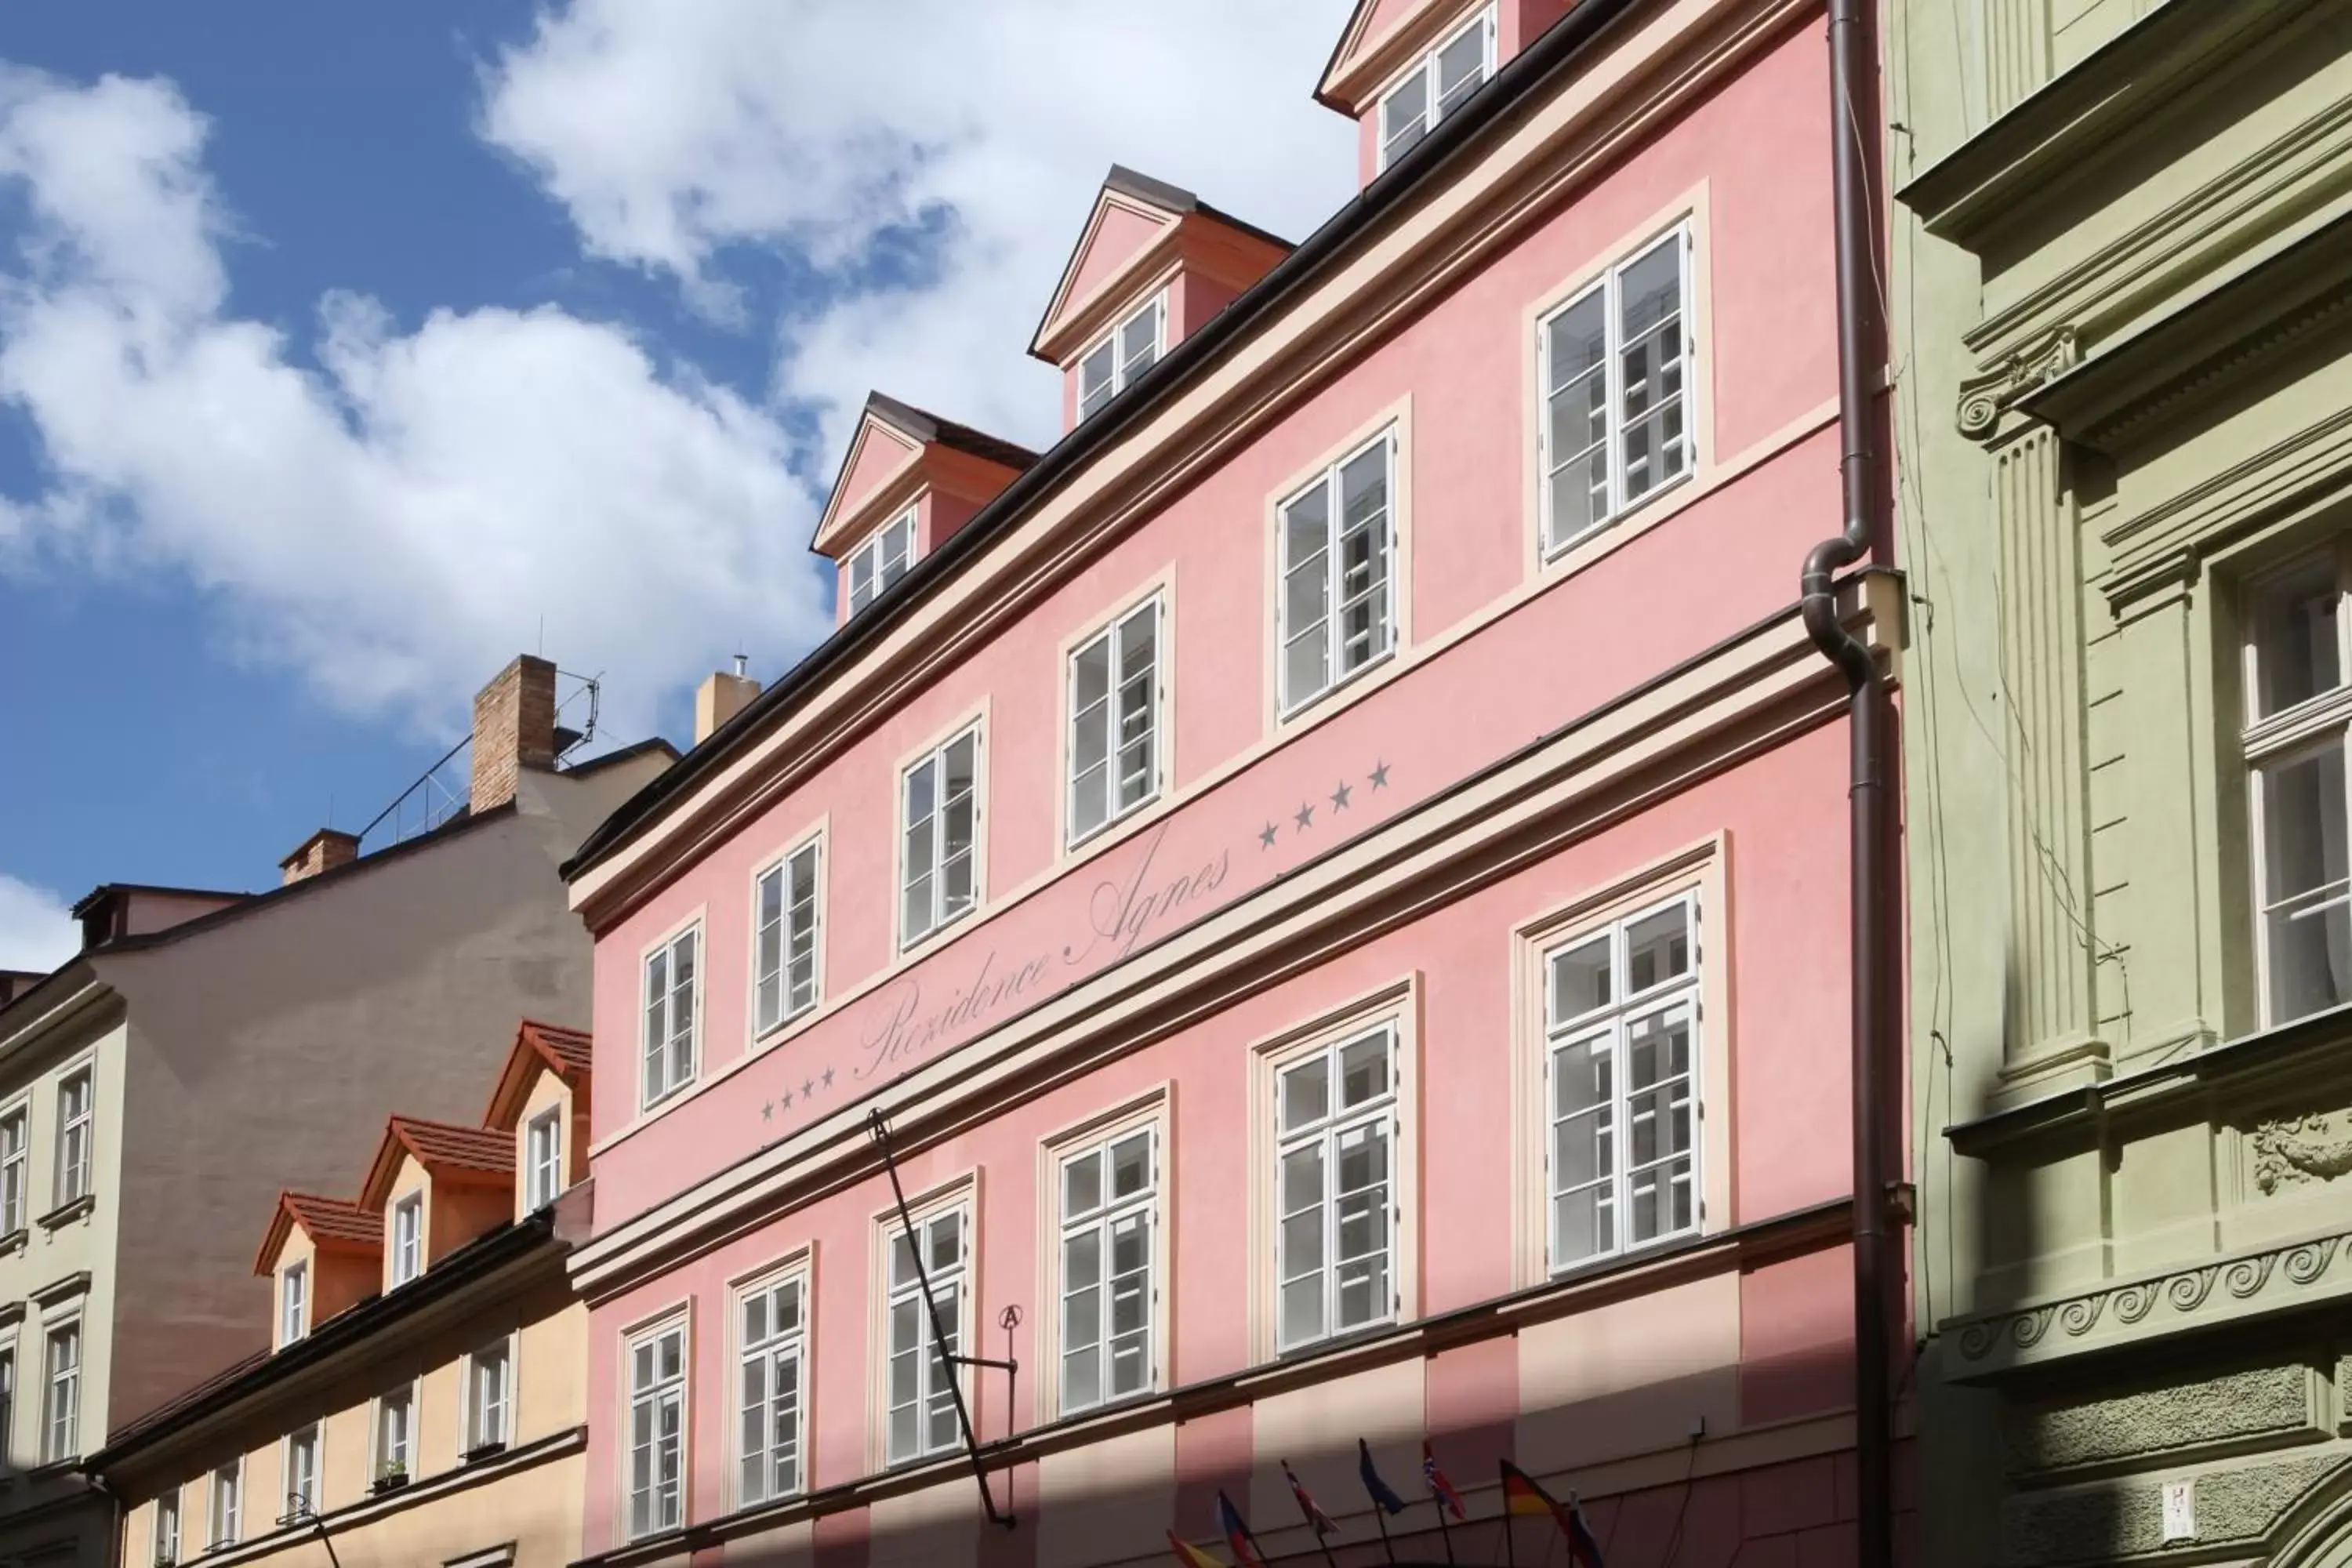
[(1306, 817), (1265, 836), (827, 1079), (768, 1111), (808, 1089), (1380, 776), (788, 1099), (1339, 797)]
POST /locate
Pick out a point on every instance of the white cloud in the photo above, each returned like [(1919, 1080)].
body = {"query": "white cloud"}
[(674, 135), (399, 521), (36, 932)]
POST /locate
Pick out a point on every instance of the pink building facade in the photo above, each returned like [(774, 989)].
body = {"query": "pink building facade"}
[(1333, 877)]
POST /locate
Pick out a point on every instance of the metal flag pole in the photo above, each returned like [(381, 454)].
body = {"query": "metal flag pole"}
[(1381, 1517)]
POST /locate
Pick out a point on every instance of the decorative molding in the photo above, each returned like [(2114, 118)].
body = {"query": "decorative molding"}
[(2297, 1149), (1986, 395), (57, 1291), (2116, 1522), (2298, 1273)]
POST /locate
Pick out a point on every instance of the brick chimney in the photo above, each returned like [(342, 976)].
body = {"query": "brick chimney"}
[(514, 729), (322, 851), (720, 698)]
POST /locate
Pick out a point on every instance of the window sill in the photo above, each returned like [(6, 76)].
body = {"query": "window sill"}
[(51, 1470), (1348, 691), (12, 1242), (384, 1484), (66, 1213), (909, 950), (480, 1452)]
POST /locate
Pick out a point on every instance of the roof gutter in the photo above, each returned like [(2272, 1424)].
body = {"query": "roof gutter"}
[(1541, 64)]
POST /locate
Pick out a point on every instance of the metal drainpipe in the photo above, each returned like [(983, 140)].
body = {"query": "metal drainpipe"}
[(1867, 805)]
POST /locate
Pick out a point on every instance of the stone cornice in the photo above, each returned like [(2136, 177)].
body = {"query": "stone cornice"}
[(2128, 1313)]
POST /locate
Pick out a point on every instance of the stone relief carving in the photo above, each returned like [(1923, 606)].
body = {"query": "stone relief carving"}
[(2297, 1149), (1985, 396)]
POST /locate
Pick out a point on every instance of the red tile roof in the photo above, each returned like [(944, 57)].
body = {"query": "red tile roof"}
[(449, 1152), (331, 1224), (566, 1053), (566, 1050)]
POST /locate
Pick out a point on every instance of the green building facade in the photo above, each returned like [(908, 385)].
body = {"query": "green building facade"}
[(2121, 297)]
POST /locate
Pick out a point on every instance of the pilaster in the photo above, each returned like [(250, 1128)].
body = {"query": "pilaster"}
[(2017, 51)]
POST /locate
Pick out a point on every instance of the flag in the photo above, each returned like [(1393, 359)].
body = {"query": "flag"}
[(1323, 1523), (1521, 1495), (1377, 1488), (1439, 1486), (1237, 1534), (1190, 1555)]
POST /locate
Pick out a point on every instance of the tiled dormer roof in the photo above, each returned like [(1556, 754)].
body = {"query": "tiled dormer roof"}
[(332, 1225), (442, 1148), (898, 447), (539, 1047)]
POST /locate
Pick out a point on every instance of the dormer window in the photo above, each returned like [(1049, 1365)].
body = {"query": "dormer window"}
[(1124, 353), (293, 1304), (1437, 84), (408, 1238), (881, 561), (543, 1159)]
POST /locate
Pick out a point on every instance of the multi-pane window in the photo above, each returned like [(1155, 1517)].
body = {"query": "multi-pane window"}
[(1337, 599), (656, 1431), (1125, 353), (940, 809), (227, 1504), (2298, 712), (489, 1397), (1436, 85), (770, 1325), (1109, 1197), (395, 1434), (1115, 720), (1335, 1194), (74, 1112), (542, 1148), (293, 1303), (1614, 365), (61, 1406), (921, 1392), (302, 1474), (1622, 1037), (881, 560), (407, 1239), (671, 978), (12, 1166), (167, 1527), (784, 939)]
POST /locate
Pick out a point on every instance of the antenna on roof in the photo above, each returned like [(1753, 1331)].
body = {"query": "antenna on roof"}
[(743, 666)]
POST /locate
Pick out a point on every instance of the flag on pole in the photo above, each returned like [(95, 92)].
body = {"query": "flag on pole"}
[(1439, 1486), (1190, 1555), (1242, 1544), (1522, 1495), (1376, 1488), (1323, 1523)]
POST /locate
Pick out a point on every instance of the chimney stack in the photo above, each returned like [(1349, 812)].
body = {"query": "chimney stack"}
[(322, 851), (720, 698), (514, 729)]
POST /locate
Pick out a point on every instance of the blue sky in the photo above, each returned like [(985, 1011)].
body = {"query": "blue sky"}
[(347, 351)]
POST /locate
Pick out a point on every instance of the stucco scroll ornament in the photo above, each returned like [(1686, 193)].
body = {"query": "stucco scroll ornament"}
[(2132, 1301), (2299, 1148), (1990, 393)]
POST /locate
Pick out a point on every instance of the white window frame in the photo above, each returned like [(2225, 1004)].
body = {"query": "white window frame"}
[(1614, 1022), (1334, 600), (1607, 288), (15, 1167), (669, 1039), (767, 1468), (77, 1135), (408, 1397), (61, 1391), (901, 1293), (1125, 368), (407, 1249), (1331, 1135), (1146, 1207), (1155, 708), (888, 553), (311, 1496), (1423, 70), (542, 1167), (165, 1536), (224, 1505), (939, 917), (473, 1432), (293, 1302), (660, 1392), (798, 935)]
